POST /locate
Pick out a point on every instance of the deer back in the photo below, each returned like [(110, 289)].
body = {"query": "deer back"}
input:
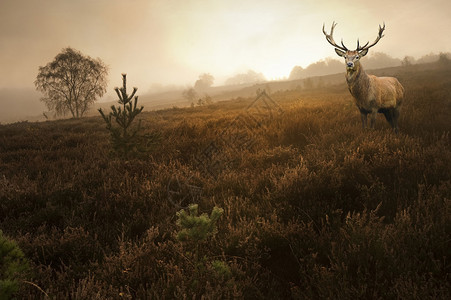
[(387, 92)]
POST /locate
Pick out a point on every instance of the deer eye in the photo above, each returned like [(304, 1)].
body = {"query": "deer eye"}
[(356, 57)]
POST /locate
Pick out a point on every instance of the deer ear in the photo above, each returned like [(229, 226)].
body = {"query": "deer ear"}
[(363, 53), (340, 53)]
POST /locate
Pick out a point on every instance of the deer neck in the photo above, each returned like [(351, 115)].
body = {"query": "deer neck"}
[(358, 82), (355, 74)]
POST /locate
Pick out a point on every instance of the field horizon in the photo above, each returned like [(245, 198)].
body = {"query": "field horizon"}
[(23, 104)]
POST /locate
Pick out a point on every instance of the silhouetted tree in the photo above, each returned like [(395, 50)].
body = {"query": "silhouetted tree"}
[(126, 138), (72, 82), (190, 94), (407, 61), (208, 100), (205, 81)]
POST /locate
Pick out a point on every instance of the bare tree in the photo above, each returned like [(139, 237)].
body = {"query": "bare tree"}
[(72, 82)]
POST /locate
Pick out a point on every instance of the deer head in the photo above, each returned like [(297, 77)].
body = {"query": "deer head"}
[(351, 57)]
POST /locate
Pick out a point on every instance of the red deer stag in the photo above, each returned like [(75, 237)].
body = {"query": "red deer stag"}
[(371, 94)]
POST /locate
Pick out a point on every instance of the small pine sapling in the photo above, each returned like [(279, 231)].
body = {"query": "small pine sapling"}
[(12, 265), (124, 137), (195, 229)]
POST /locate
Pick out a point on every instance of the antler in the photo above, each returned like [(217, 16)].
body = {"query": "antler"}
[(330, 39), (379, 36)]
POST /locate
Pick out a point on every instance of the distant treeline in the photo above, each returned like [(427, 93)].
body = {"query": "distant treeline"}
[(376, 60), (244, 78)]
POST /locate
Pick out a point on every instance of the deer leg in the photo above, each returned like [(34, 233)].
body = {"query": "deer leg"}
[(395, 115), (364, 117), (388, 113), (373, 118)]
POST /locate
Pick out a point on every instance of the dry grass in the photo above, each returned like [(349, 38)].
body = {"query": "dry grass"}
[(314, 206)]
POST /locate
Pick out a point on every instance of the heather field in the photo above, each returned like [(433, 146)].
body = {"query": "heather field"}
[(314, 207)]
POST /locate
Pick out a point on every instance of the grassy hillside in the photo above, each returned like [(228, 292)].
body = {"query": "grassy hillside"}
[(314, 206)]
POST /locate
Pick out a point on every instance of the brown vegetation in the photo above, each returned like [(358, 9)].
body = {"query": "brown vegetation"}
[(314, 207)]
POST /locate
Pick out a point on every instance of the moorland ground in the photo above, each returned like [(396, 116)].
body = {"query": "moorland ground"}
[(314, 206)]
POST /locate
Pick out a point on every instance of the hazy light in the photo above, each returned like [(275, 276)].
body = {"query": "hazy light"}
[(172, 42)]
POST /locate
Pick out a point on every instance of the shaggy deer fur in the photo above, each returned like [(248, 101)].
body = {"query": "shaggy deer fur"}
[(371, 94)]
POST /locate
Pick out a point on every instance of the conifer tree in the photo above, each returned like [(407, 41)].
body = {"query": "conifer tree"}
[(195, 229), (124, 137)]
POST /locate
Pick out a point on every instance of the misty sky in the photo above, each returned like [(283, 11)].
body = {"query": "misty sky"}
[(173, 41)]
